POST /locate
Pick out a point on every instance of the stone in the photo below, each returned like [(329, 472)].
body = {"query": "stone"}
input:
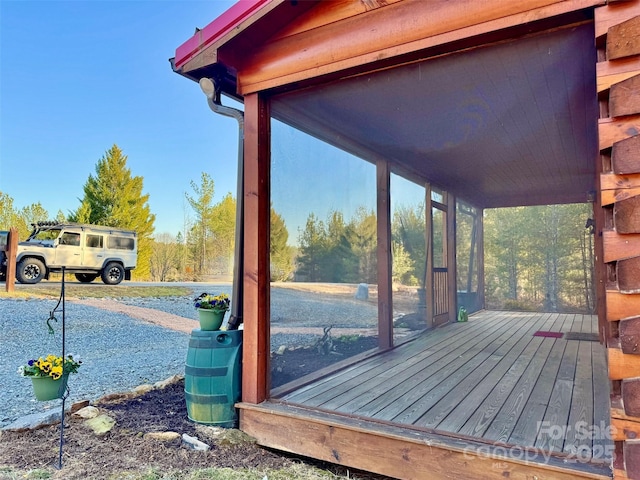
[(142, 389), (35, 420), (87, 412), (193, 443), (169, 381), (363, 292), (162, 436), (79, 405), (100, 424)]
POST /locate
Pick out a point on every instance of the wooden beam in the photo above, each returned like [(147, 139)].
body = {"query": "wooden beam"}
[(480, 256), (610, 15), (619, 187), (624, 429), (621, 365), (621, 305), (628, 275), (400, 29), (625, 156), (618, 247), (385, 294), (624, 98), (626, 215), (610, 72), (611, 130), (11, 252), (623, 40), (255, 368), (452, 280), (428, 235), (631, 397), (629, 332), (397, 452), (631, 451)]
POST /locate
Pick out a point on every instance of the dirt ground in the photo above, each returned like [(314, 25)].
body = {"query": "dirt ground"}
[(125, 448)]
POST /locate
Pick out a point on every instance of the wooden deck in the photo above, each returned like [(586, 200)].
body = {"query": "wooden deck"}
[(489, 379)]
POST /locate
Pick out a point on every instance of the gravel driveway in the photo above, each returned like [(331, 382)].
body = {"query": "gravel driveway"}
[(120, 352)]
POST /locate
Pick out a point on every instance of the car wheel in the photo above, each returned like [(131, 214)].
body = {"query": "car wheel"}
[(113, 273), (30, 270), (86, 277)]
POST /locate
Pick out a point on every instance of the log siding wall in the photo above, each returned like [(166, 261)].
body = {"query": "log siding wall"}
[(618, 71)]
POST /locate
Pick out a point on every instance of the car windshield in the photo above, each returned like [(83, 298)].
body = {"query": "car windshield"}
[(49, 234)]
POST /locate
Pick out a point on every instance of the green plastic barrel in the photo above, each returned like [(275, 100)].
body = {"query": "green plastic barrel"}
[(212, 376)]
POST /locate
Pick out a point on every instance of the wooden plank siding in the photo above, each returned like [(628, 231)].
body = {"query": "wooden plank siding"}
[(617, 33), (489, 379)]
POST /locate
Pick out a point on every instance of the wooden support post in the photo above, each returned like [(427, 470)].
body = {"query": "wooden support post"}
[(452, 267), (385, 296), (11, 251), (255, 368)]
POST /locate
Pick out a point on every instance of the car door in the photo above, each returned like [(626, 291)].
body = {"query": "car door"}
[(68, 252), (93, 256)]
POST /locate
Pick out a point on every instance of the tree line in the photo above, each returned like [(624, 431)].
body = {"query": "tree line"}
[(535, 257), (114, 197)]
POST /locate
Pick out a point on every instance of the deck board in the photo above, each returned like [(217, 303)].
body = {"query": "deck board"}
[(476, 386), (429, 393), (578, 440), (489, 378), (498, 390), (450, 364)]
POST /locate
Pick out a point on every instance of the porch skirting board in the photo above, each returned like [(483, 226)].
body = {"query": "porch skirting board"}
[(397, 451)]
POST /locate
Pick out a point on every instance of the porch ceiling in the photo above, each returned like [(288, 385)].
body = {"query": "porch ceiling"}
[(508, 124)]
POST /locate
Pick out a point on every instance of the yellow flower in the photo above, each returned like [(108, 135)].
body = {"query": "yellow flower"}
[(43, 365), (56, 372)]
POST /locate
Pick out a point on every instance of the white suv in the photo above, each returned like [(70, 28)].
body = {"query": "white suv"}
[(88, 251)]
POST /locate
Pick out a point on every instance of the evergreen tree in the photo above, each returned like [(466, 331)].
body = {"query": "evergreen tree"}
[(313, 249), (197, 238), (114, 198), (362, 236), (222, 225), (408, 230), (281, 254)]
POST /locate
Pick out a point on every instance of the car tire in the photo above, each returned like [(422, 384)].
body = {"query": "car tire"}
[(30, 270), (86, 277), (113, 273)]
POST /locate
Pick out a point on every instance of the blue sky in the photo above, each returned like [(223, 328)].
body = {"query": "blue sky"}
[(77, 77)]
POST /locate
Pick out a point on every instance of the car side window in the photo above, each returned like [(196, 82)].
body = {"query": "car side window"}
[(69, 238), (94, 241), (120, 243)]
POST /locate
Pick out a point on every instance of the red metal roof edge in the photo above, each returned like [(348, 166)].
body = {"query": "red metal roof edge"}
[(216, 29)]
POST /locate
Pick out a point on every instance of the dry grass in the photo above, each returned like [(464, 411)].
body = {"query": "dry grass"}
[(98, 291)]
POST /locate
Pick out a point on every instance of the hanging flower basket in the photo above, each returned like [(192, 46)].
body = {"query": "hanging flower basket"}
[(49, 375), (47, 388)]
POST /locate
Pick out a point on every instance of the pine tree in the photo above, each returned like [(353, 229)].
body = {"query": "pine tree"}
[(281, 254), (198, 236), (114, 198)]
